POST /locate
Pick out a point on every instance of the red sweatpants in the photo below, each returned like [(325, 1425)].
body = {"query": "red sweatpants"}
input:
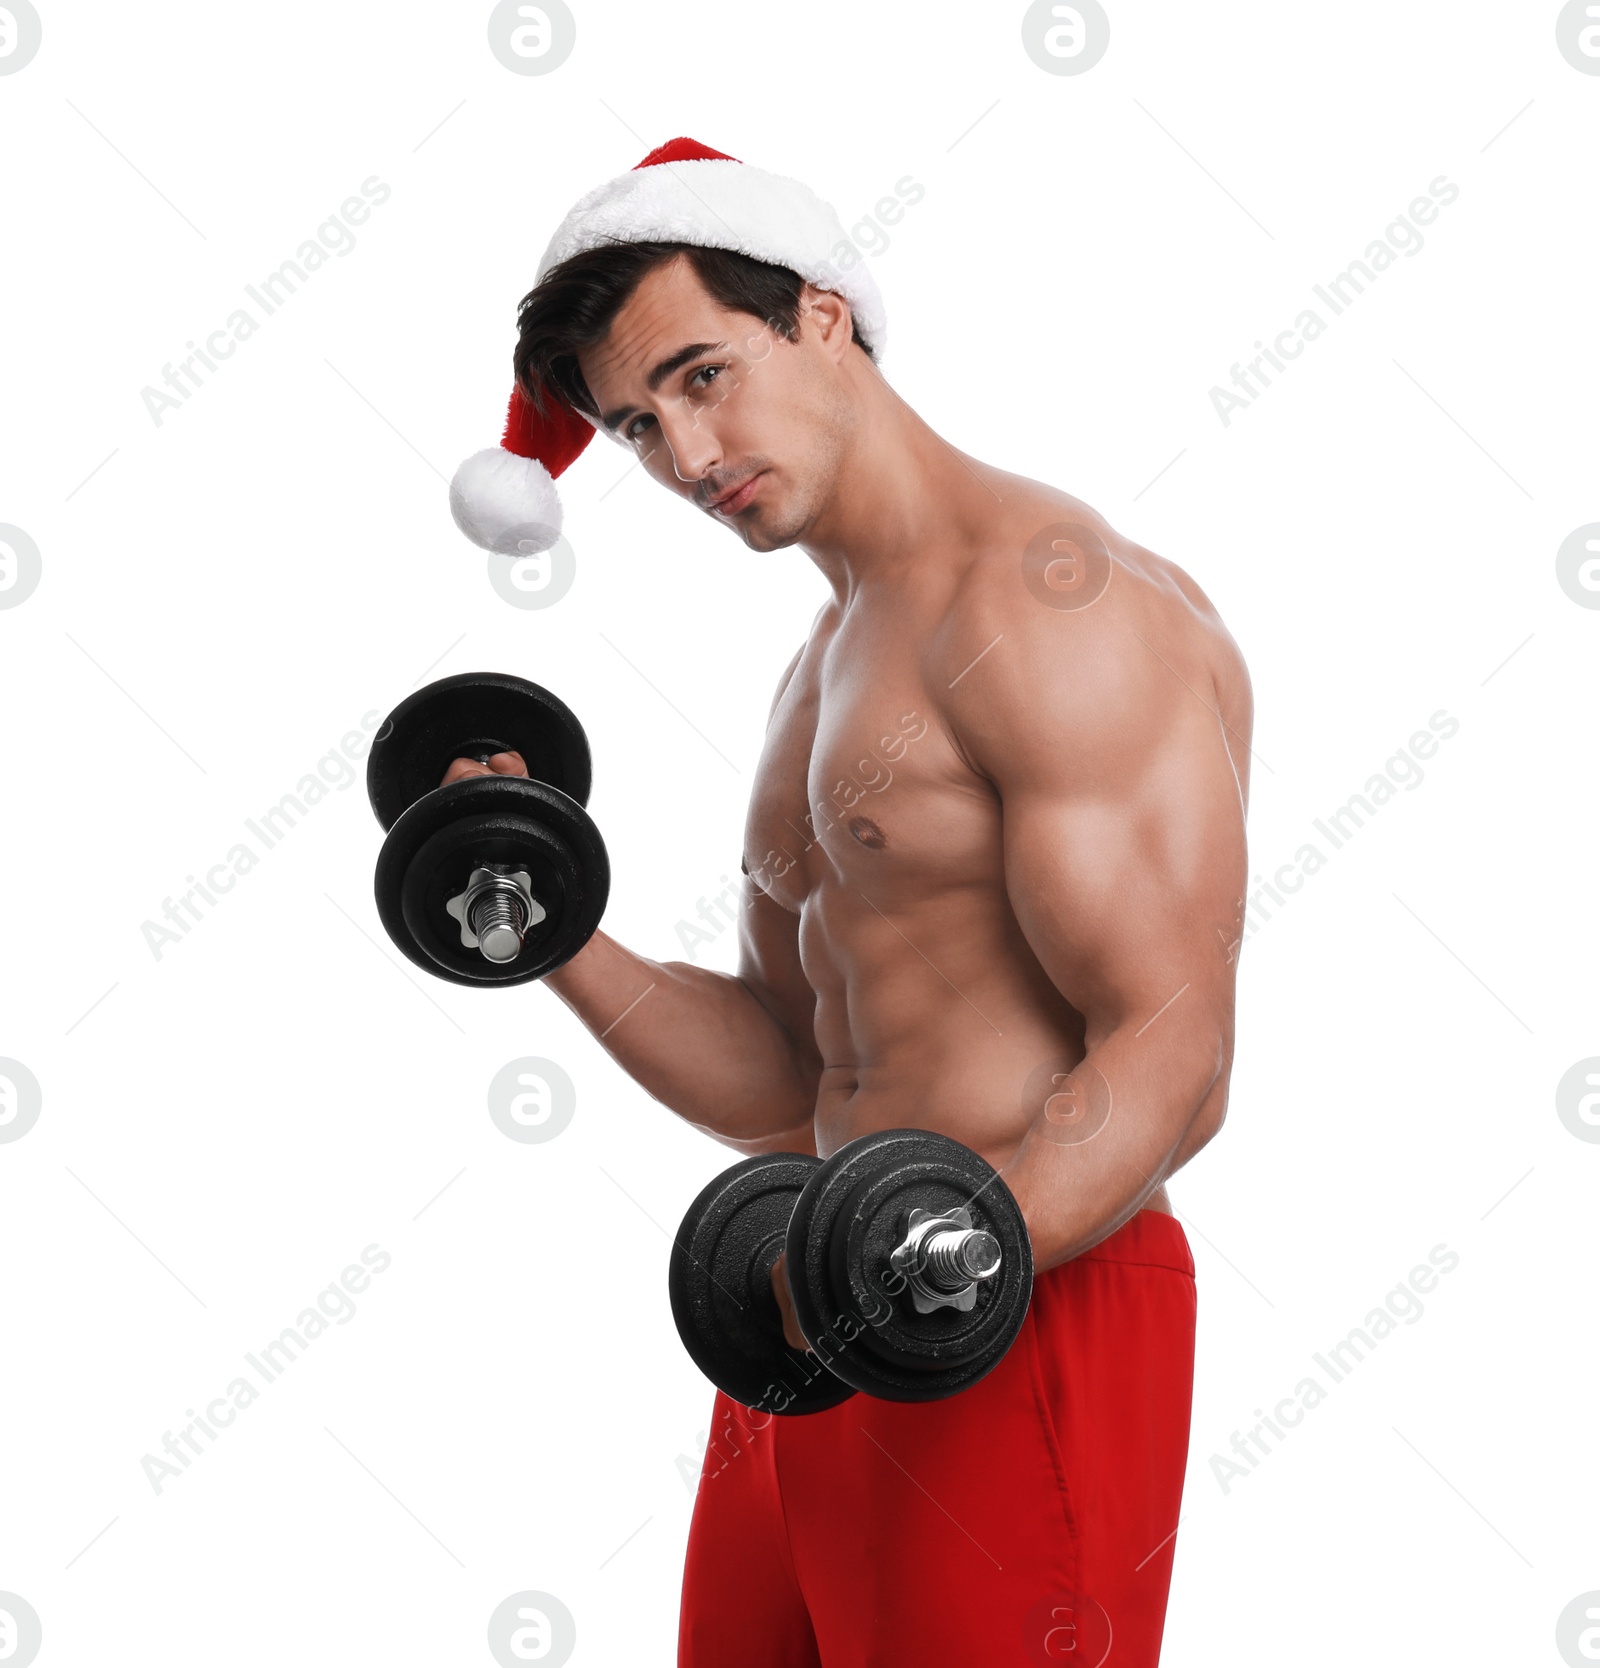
[(1029, 1520)]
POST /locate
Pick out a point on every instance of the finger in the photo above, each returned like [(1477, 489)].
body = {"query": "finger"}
[(500, 764)]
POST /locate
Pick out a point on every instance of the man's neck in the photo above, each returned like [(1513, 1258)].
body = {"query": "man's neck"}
[(906, 504)]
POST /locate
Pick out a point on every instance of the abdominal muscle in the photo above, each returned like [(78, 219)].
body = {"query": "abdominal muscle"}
[(938, 1018)]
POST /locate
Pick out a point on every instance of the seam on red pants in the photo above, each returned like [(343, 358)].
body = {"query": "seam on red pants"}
[(775, 1427), (1052, 1438), (1128, 1262)]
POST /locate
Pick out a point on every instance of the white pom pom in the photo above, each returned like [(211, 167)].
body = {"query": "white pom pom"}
[(505, 503)]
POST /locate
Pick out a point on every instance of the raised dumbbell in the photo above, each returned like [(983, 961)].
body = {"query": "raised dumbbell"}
[(908, 1258), (493, 880)]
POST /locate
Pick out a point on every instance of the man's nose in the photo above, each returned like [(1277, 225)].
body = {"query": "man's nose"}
[(692, 449)]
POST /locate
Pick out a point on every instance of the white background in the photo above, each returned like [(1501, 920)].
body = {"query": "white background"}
[(223, 596)]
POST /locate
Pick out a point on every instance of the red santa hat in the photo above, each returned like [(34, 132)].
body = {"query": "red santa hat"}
[(505, 498)]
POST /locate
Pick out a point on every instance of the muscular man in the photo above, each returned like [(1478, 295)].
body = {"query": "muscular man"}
[(995, 859)]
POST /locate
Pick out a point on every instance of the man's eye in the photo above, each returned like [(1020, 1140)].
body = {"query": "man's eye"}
[(630, 431)]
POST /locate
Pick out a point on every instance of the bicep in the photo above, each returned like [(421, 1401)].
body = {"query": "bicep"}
[(1127, 887), (769, 944), (770, 968)]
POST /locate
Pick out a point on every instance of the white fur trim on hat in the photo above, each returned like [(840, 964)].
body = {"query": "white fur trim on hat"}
[(506, 503), (728, 205)]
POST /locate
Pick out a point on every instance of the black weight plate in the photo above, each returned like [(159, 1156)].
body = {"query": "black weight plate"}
[(873, 1222), (471, 715), (848, 1219), (430, 854), (719, 1281)]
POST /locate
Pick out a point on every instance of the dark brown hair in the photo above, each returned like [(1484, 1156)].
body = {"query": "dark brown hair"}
[(573, 305)]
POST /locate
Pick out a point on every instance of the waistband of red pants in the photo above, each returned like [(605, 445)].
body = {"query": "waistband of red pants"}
[(1148, 1236)]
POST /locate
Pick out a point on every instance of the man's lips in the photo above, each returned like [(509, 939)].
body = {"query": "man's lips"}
[(736, 500)]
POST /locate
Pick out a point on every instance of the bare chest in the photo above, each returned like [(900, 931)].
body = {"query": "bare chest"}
[(861, 785)]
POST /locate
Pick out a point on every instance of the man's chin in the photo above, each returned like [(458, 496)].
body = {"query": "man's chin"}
[(764, 527), (759, 537)]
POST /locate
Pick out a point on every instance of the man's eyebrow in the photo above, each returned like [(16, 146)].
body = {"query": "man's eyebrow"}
[(660, 374)]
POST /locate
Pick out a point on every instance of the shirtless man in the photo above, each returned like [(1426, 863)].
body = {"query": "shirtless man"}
[(996, 858)]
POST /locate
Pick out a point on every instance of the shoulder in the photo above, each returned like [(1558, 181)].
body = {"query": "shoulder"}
[(1068, 647), (784, 681), (788, 675)]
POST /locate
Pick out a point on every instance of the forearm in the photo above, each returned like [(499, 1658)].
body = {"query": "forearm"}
[(699, 1041), (1116, 1127)]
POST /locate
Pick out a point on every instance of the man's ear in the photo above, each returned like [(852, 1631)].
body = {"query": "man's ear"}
[(828, 313)]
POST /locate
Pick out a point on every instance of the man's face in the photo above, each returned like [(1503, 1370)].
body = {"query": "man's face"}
[(744, 409)]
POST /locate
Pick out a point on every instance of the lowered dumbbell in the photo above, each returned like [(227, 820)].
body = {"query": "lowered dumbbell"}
[(910, 1265), (719, 1278), (494, 879), (908, 1258)]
